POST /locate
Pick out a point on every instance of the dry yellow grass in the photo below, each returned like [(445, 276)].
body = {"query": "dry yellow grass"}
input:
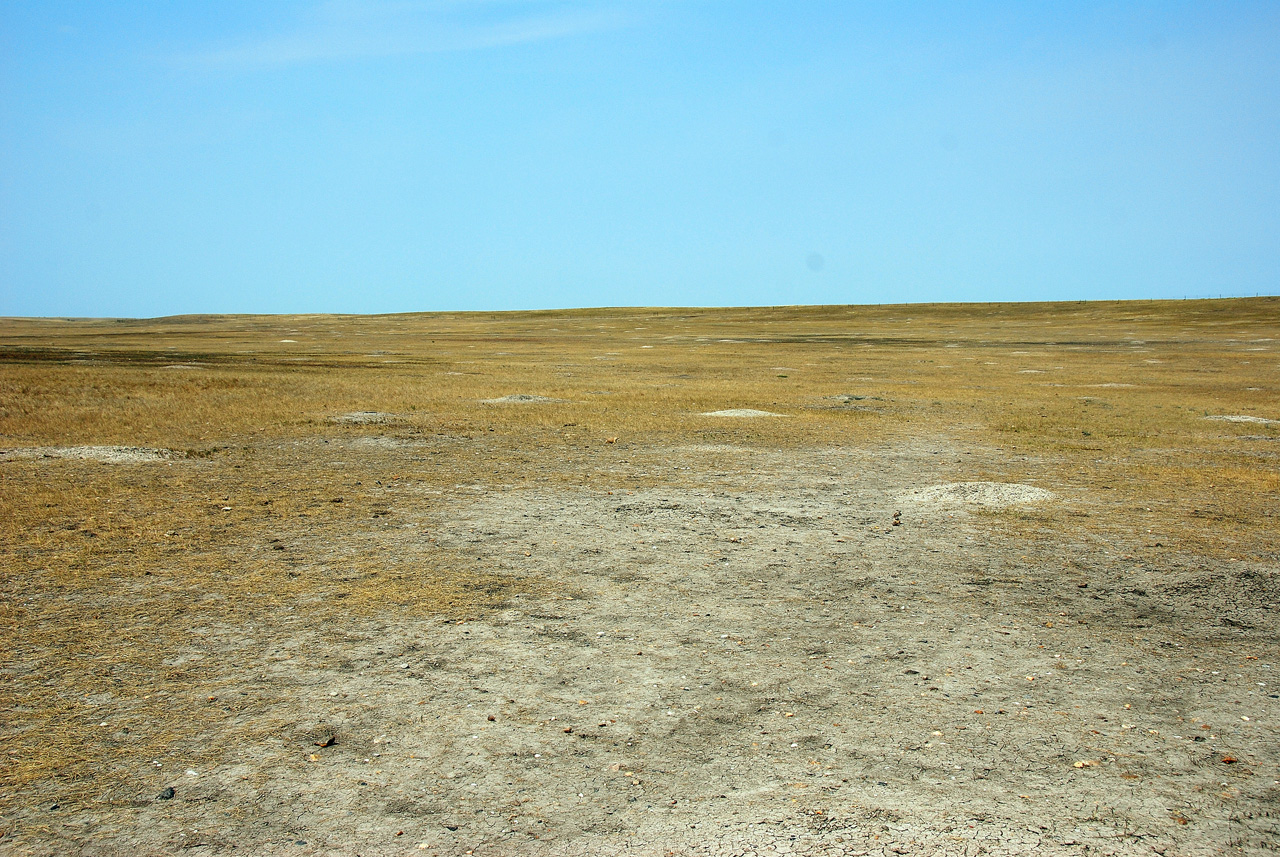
[(101, 563)]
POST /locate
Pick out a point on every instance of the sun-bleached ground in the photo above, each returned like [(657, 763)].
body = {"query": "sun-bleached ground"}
[(508, 585)]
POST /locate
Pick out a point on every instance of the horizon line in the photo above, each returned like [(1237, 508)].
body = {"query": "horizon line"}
[(635, 308)]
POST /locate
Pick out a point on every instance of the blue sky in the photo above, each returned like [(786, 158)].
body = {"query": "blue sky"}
[(359, 156)]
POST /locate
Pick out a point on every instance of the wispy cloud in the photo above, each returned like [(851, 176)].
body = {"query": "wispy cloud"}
[(340, 30)]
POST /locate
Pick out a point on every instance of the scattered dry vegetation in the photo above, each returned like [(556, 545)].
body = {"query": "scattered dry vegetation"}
[(246, 523)]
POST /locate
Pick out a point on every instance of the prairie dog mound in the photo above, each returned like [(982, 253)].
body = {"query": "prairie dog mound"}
[(520, 399), (986, 495), (742, 412), (105, 454), (1243, 418), (365, 418)]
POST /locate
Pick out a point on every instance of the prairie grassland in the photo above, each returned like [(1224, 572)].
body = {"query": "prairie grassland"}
[(1089, 393), (104, 564)]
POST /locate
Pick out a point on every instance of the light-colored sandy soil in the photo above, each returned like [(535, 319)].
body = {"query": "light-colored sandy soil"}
[(510, 584), (754, 660)]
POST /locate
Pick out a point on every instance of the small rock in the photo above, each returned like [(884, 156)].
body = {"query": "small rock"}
[(166, 794)]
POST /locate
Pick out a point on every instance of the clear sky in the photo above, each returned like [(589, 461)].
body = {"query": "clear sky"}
[(382, 156)]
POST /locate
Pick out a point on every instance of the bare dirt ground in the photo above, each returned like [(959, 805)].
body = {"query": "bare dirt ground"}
[(520, 600)]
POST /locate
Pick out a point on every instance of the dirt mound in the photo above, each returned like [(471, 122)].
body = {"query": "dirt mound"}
[(988, 495), (1243, 418), (850, 402), (521, 399), (105, 454), (365, 418), (742, 412)]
